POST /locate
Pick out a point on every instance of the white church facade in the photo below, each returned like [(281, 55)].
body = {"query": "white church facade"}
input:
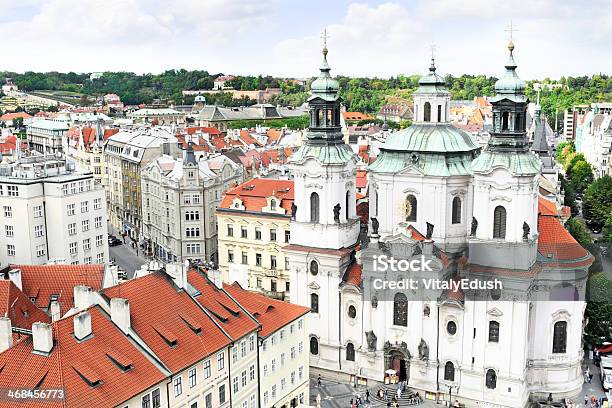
[(476, 215)]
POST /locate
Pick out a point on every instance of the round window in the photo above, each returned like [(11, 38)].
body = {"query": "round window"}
[(352, 312), (451, 327), (314, 267)]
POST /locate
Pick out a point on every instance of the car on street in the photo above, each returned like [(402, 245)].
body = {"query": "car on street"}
[(114, 241)]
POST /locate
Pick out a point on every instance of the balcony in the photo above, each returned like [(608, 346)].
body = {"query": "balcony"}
[(273, 294)]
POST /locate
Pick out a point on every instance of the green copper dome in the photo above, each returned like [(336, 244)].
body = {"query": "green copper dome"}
[(324, 87), (510, 83), (440, 137), (431, 82)]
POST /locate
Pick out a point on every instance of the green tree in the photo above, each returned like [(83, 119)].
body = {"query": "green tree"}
[(597, 200), (598, 310), (579, 231), (580, 176)]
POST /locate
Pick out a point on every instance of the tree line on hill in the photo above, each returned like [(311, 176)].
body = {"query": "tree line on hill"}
[(359, 94)]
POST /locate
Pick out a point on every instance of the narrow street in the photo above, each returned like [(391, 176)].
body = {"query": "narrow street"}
[(125, 256)]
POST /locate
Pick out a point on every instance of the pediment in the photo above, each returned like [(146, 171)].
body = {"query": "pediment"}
[(495, 312), (314, 286), (411, 169)]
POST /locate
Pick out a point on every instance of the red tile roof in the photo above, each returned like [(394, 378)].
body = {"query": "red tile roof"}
[(246, 137), (15, 305), (71, 360), (14, 115), (254, 193), (353, 274), (164, 317), (555, 240), (109, 132), (226, 312), (42, 281), (272, 314), (355, 116), (546, 207)]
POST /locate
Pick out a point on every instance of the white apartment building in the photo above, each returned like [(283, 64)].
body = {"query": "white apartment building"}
[(125, 155), (283, 353), (596, 141), (47, 136), (179, 198), (50, 213)]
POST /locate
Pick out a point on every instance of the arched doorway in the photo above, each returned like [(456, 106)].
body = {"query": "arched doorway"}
[(397, 358)]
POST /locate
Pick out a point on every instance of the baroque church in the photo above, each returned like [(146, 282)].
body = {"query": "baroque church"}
[(476, 215)]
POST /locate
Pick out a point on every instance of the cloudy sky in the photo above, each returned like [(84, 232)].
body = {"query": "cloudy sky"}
[(282, 37)]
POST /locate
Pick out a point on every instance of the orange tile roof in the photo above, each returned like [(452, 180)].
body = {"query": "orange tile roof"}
[(15, 305), (246, 137), (273, 135), (210, 130), (42, 281), (163, 317), (362, 178), (71, 360), (109, 132), (546, 207), (355, 116), (353, 274), (226, 312), (254, 198), (555, 240), (272, 314), (15, 115)]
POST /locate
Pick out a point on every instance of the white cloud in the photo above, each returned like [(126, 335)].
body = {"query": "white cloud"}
[(369, 40)]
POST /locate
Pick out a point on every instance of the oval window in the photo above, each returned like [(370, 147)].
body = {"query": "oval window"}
[(352, 312), (451, 327)]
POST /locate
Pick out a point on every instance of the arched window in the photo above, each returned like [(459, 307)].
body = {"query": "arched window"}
[(350, 352), (449, 371), (517, 122), (456, 217), (400, 310), (491, 379), (560, 337), (314, 207), (411, 208), (493, 331), (314, 267), (427, 112), (314, 303), (314, 346), (499, 222), (439, 113), (346, 205), (505, 120)]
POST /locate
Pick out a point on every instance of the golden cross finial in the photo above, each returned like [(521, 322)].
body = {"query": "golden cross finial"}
[(324, 36), (511, 29)]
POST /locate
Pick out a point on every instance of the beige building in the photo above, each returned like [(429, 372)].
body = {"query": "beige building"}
[(179, 198), (283, 357), (253, 220), (125, 156)]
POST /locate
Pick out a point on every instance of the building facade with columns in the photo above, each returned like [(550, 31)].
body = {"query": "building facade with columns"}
[(512, 332)]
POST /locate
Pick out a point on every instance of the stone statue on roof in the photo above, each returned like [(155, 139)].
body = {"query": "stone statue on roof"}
[(474, 227), (526, 231), (337, 212), (430, 228), (293, 211)]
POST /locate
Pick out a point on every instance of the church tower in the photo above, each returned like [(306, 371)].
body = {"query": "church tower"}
[(506, 182), (325, 227)]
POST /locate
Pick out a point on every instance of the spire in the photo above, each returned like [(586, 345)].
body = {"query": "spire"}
[(189, 154)]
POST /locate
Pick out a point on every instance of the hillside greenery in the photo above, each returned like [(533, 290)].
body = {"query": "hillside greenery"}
[(359, 94)]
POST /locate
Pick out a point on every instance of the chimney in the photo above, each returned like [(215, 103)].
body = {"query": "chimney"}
[(42, 336), (82, 325), (54, 310), (120, 313), (82, 297), (178, 272), (6, 334), (215, 276), (15, 277)]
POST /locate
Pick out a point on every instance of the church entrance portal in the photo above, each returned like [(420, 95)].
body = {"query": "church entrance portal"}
[(398, 363), (397, 358)]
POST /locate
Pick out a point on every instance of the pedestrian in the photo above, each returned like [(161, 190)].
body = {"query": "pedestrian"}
[(590, 378), (319, 381), (586, 400), (367, 395)]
